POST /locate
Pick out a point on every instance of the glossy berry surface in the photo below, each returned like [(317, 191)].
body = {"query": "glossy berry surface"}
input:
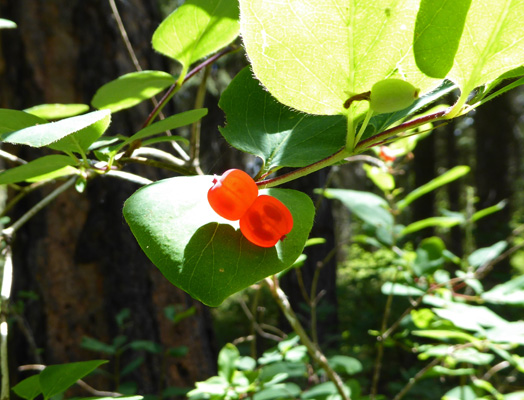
[(266, 222), (232, 194)]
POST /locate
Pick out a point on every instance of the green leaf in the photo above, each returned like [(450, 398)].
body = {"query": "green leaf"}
[(512, 332), (429, 256), (323, 391), (227, 359), (438, 30), (146, 345), (345, 364), (29, 388), (469, 317), (447, 177), (55, 379), (486, 254), (260, 125), (131, 366), (313, 58), (280, 391), (510, 292), (488, 211), (202, 253), (80, 141), (96, 345), (514, 396), (472, 356), (197, 29), (465, 392), (57, 111), (6, 24), (36, 168), (445, 334), (439, 370), (493, 45), (172, 122), (14, 120), (440, 222), (380, 177), (47, 133), (399, 289), (369, 207), (131, 89)]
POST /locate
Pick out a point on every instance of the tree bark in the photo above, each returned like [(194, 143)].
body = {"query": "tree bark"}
[(78, 255)]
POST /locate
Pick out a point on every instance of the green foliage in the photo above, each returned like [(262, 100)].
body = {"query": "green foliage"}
[(55, 111), (34, 170)]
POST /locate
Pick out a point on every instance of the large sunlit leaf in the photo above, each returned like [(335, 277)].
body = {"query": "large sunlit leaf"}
[(202, 253), (260, 125), (47, 133), (131, 89), (313, 56), (80, 141), (492, 43), (197, 29)]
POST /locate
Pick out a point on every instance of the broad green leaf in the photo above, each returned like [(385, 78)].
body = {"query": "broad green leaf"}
[(447, 177), (35, 168), (14, 120), (438, 30), (29, 388), (469, 317), (429, 256), (47, 133), (440, 222), (439, 370), (260, 125), (471, 355), (486, 254), (131, 89), (369, 207), (465, 392), (399, 289), (227, 358), (512, 332), (7, 24), (80, 141), (55, 379), (314, 57), (172, 122), (323, 390), (492, 45), (514, 396), (57, 111), (202, 253), (380, 177), (197, 29), (216, 385), (280, 391), (510, 292), (345, 364)]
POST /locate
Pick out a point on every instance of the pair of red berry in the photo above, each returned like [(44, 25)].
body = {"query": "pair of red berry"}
[(264, 220)]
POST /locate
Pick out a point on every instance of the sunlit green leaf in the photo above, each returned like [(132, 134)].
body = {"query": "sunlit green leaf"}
[(37, 168), (29, 388), (7, 24), (57, 111)]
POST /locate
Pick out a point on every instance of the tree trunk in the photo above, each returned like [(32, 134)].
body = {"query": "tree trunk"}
[(78, 255)]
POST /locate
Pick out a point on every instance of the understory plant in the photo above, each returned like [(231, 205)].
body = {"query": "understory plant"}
[(326, 82)]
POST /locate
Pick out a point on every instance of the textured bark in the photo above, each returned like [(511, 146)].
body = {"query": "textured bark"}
[(78, 254)]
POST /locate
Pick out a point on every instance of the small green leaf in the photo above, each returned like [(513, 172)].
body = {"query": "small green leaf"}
[(34, 169), (510, 292), (469, 317), (280, 391), (445, 334), (323, 390), (47, 133), (512, 332), (55, 379), (202, 253), (131, 89), (486, 254), (80, 141), (472, 356), (465, 392), (440, 222), (197, 29), (399, 289), (96, 345), (6, 24), (227, 359), (29, 388), (345, 364), (260, 125), (429, 256), (488, 211), (146, 345), (131, 366), (57, 111), (447, 177), (380, 177), (172, 122), (14, 120), (438, 30)]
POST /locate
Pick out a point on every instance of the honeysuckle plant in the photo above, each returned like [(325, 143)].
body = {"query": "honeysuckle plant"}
[(326, 81)]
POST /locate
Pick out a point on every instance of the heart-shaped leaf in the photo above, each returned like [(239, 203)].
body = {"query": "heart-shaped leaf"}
[(260, 125), (199, 251), (314, 57)]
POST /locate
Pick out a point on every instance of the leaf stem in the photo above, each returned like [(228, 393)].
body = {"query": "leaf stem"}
[(317, 355), (194, 150)]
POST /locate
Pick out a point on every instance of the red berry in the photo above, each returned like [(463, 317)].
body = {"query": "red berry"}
[(387, 154), (232, 194), (266, 222)]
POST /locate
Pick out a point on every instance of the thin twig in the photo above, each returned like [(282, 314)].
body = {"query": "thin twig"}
[(12, 157), (127, 176), (158, 164), (23, 192), (415, 379), (255, 324), (9, 232), (317, 355), (194, 153), (123, 33)]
